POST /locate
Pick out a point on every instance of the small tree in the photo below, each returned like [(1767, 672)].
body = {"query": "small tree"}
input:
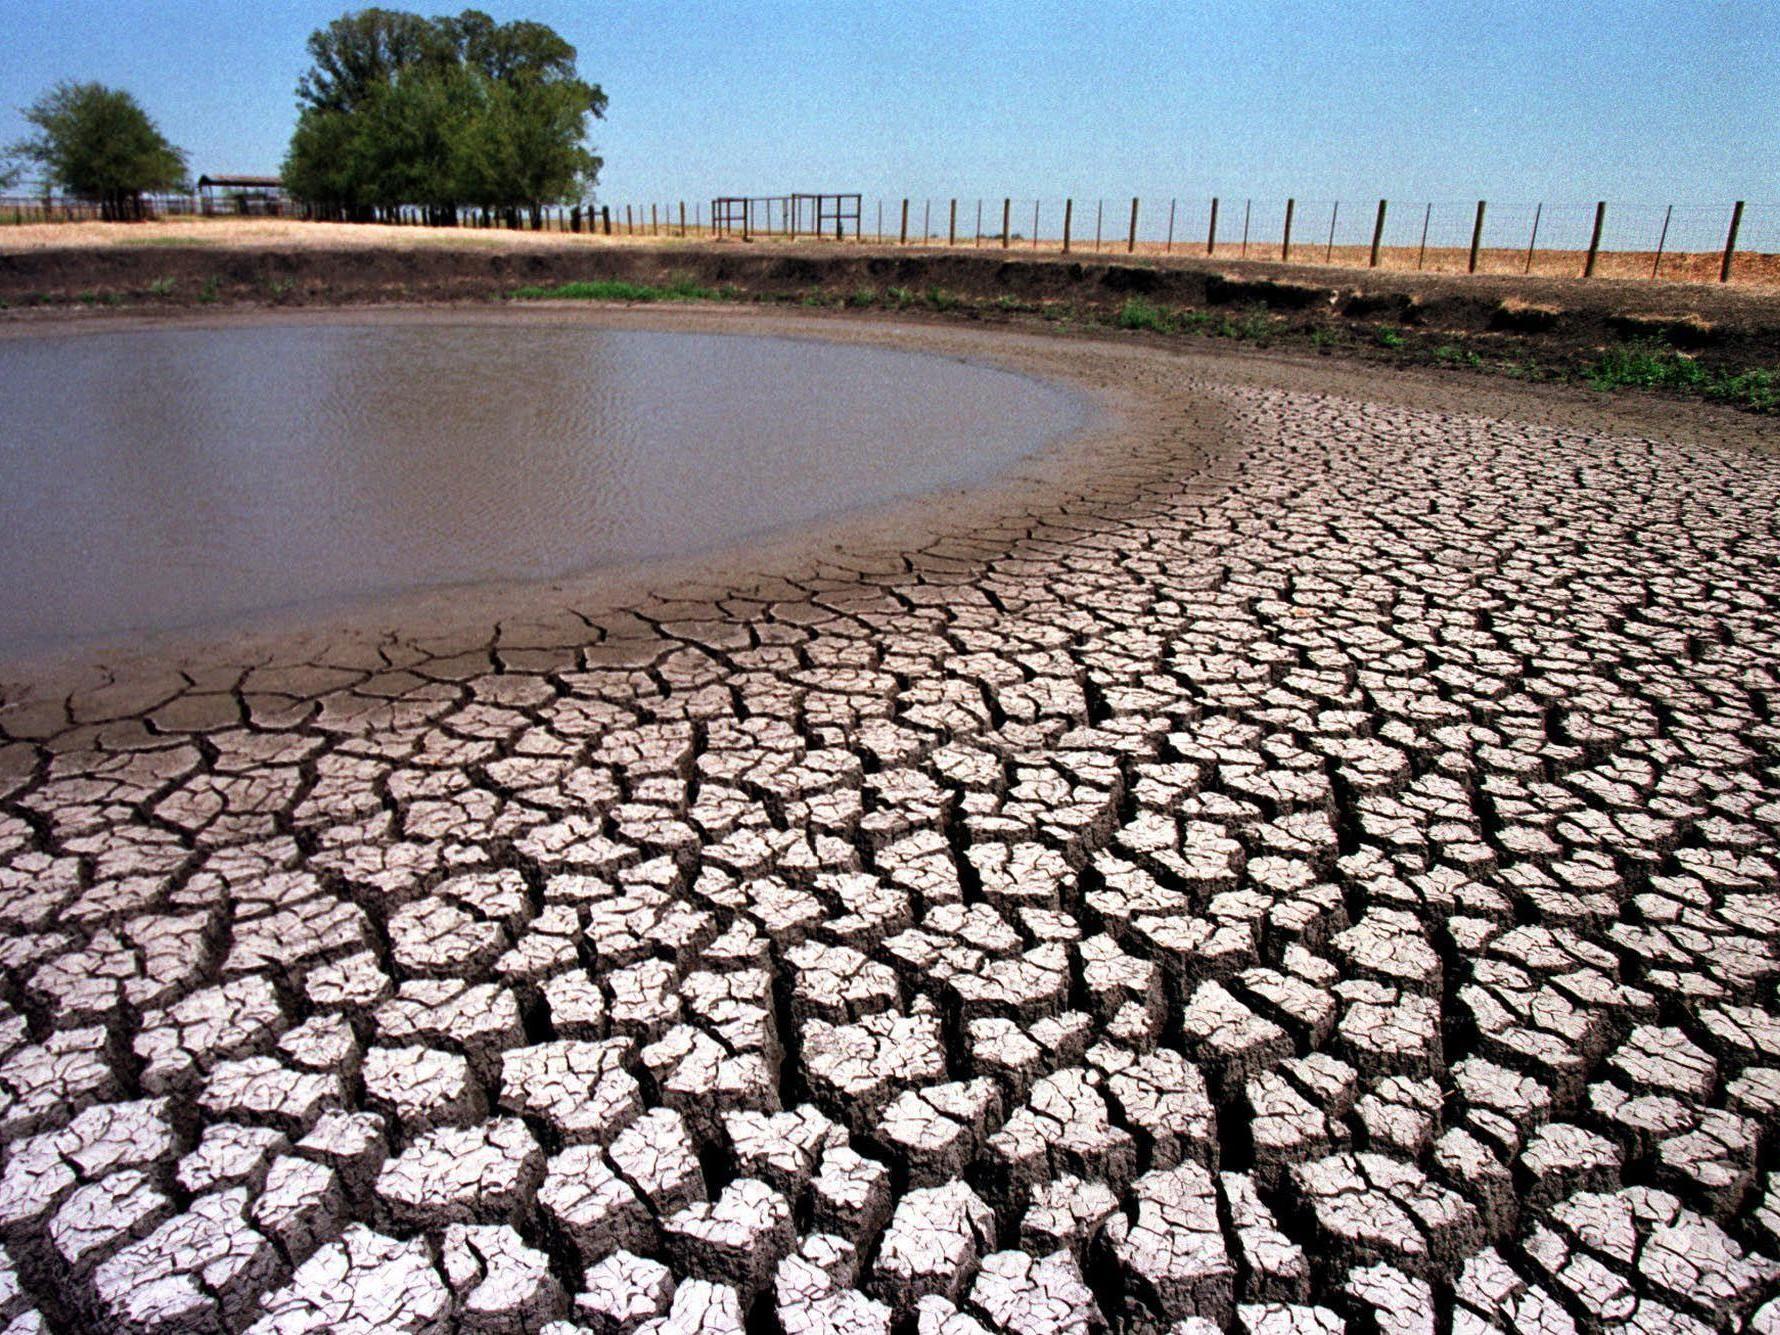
[(97, 143)]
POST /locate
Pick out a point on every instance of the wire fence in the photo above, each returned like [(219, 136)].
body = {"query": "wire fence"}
[(1676, 242)]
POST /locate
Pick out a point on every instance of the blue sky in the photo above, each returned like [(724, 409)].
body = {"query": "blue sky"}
[(1645, 102)]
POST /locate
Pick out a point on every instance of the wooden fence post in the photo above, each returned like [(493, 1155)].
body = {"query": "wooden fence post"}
[(1099, 218), (1068, 214), (1211, 233), (1035, 204), (1730, 243), (1661, 241), (1131, 240), (1168, 249), (978, 239), (1285, 245), (1594, 241), (1476, 239), (1248, 208), (682, 220), (1007, 207), (629, 226), (952, 227), (1422, 254), (1377, 236), (926, 221), (1334, 213), (606, 218), (1533, 240), (905, 222)]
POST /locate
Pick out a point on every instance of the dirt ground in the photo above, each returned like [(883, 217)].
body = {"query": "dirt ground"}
[(1752, 269), (1560, 321), (1296, 856)]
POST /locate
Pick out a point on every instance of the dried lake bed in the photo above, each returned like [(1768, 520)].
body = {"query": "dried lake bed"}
[(1295, 852)]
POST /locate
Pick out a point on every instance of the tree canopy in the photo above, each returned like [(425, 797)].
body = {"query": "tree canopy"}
[(97, 143), (445, 112)]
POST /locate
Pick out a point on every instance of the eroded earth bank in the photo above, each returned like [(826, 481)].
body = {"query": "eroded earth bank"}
[(1302, 856)]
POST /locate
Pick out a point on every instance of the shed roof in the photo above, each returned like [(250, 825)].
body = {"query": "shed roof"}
[(257, 182)]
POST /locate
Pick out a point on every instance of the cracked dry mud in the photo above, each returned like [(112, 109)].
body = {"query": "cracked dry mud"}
[(1318, 873)]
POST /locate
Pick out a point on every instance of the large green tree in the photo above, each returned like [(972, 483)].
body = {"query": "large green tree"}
[(96, 143), (401, 110)]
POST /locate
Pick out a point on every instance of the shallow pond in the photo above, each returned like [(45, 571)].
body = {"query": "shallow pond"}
[(174, 477)]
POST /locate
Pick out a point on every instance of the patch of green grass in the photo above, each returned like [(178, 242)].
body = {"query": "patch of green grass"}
[(865, 296), (901, 297), (940, 299), (1453, 355), (208, 293), (1386, 337), (175, 241), (1137, 313), (615, 289), (1653, 366), (1007, 303), (1253, 326), (1325, 338), (161, 287)]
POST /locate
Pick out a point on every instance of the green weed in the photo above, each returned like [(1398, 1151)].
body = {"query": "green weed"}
[(1453, 355), (1137, 313), (614, 289), (1652, 366), (1386, 337), (1325, 338), (1254, 326), (941, 300), (161, 287), (865, 296), (208, 293)]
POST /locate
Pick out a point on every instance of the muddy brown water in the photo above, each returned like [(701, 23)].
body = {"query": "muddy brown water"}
[(167, 477)]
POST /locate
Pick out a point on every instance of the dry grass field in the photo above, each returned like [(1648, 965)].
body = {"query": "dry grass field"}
[(1752, 269)]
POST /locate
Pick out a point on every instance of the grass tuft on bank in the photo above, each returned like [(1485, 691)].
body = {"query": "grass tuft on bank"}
[(1253, 325), (614, 289), (1648, 365)]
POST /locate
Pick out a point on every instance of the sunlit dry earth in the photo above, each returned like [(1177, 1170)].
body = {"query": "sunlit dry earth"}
[(1310, 863), (1752, 270)]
